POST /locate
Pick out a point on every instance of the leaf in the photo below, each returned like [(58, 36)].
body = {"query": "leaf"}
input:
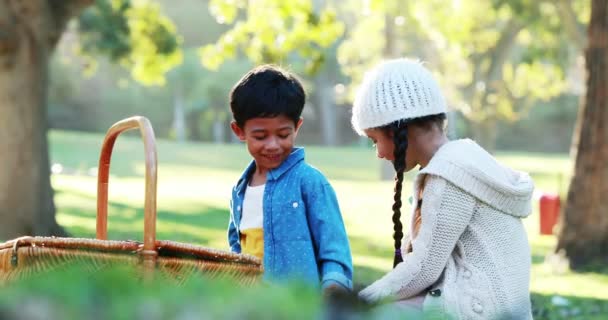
[(134, 34), (271, 31)]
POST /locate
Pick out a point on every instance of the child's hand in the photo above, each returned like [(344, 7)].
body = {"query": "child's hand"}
[(334, 289), (375, 292), (342, 303)]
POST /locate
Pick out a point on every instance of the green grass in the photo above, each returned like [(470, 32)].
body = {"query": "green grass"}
[(116, 293), (194, 188)]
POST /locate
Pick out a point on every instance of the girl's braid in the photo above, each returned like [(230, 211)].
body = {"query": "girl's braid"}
[(399, 130)]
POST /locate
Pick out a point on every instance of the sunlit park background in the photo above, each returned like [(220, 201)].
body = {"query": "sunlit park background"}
[(514, 73)]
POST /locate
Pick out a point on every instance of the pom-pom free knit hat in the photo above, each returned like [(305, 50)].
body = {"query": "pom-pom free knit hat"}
[(398, 89)]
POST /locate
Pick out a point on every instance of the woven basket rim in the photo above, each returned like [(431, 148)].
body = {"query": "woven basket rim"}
[(165, 248)]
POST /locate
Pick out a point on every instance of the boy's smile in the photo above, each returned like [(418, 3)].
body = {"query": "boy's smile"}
[(269, 140)]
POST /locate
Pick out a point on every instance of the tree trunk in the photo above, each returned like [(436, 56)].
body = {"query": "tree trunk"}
[(324, 95), (574, 29), (179, 113), (584, 226), (219, 128), (491, 79), (193, 123), (29, 30)]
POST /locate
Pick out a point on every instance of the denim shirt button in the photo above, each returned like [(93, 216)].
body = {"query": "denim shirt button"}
[(295, 205), (238, 208)]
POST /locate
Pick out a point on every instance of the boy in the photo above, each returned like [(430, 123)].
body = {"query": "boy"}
[(283, 210)]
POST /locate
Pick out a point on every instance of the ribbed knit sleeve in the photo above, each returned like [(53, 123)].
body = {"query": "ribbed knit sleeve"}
[(446, 211)]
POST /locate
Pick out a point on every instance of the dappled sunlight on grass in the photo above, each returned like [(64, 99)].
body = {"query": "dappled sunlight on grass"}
[(551, 276), (584, 285), (78, 226), (180, 217), (363, 202), (373, 256)]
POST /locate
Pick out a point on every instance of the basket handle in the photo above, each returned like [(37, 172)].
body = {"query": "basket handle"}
[(149, 251)]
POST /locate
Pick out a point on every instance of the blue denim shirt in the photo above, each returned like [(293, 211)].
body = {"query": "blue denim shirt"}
[(304, 235)]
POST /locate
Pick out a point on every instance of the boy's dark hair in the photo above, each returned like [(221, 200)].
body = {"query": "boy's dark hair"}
[(399, 131), (265, 92)]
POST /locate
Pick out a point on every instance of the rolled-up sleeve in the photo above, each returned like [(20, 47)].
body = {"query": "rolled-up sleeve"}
[(328, 233), (233, 236)]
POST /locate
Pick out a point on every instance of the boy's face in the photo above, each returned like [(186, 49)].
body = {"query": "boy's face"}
[(269, 140)]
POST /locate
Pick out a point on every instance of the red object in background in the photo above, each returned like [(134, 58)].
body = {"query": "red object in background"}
[(549, 212)]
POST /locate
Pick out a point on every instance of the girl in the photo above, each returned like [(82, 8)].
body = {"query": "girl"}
[(467, 254)]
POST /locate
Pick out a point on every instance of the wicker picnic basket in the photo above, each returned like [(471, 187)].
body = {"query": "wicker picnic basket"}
[(26, 256)]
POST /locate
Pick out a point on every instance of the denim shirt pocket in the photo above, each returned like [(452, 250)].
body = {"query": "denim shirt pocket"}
[(290, 222)]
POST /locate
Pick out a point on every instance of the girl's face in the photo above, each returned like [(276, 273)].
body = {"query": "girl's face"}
[(385, 147), (269, 140)]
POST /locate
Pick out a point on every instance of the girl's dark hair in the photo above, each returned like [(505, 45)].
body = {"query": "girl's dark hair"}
[(398, 129), (266, 92)]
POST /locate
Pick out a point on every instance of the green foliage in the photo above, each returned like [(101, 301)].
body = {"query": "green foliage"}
[(133, 33), (206, 88), (205, 92), (187, 75), (494, 59), (363, 28), (105, 29), (271, 31), (502, 73), (547, 127)]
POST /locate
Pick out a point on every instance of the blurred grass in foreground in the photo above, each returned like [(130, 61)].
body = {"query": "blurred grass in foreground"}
[(118, 293)]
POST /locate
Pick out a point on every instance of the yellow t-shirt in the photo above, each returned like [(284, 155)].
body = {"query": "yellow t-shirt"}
[(252, 223), (252, 242)]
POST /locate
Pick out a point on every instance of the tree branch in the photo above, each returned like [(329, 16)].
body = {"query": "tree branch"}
[(574, 29), (469, 90), (61, 12), (499, 54), (520, 105)]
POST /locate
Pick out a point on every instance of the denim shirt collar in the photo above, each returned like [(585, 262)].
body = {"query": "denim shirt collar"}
[(296, 155)]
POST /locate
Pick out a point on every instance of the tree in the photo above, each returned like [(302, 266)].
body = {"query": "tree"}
[(495, 59), (134, 35), (271, 32), (30, 31), (183, 82), (584, 227)]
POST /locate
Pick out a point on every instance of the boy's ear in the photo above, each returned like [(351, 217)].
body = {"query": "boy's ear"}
[(238, 131), (299, 124)]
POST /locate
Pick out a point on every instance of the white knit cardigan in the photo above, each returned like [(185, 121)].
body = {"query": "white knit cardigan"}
[(471, 257)]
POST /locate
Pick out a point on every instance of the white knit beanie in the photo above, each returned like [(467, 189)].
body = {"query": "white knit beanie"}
[(396, 90)]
